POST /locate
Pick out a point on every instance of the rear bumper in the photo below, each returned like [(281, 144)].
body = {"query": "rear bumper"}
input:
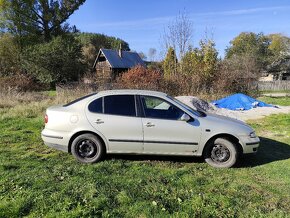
[(57, 146), (56, 140)]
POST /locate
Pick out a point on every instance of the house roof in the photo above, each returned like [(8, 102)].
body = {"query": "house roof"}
[(127, 60)]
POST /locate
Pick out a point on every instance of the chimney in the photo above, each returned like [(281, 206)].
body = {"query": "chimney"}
[(120, 50)]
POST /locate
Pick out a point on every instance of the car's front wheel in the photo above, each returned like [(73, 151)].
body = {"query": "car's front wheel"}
[(87, 148), (221, 153)]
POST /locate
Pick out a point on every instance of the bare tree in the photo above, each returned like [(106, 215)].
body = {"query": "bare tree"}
[(178, 34), (152, 54), (142, 55)]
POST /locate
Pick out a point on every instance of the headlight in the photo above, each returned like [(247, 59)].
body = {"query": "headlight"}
[(253, 135)]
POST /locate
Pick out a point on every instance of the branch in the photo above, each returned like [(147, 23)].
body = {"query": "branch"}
[(41, 18)]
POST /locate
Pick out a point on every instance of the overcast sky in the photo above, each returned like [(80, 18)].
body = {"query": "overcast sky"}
[(141, 23)]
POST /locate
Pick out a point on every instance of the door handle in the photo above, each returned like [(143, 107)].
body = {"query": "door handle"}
[(149, 124), (99, 121)]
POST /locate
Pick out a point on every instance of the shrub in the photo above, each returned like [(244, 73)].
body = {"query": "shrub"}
[(20, 82), (140, 78)]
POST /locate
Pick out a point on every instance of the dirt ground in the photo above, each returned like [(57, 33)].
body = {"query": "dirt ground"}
[(255, 113), (282, 94)]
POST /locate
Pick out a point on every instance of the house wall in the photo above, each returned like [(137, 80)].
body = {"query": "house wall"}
[(270, 77), (103, 72)]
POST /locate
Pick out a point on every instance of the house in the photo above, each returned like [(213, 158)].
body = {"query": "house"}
[(278, 70), (110, 63)]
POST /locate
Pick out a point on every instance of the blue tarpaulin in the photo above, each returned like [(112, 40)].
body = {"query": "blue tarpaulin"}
[(239, 101)]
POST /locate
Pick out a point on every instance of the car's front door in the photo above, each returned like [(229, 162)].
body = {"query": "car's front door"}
[(164, 132), (115, 117)]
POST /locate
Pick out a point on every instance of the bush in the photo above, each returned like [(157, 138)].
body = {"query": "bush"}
[(20, 83), (140, 78)]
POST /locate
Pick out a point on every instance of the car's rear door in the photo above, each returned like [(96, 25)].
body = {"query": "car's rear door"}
[(164, 132), (115, 117)]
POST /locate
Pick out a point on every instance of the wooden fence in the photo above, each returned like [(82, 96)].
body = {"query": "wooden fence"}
[(279, 85)]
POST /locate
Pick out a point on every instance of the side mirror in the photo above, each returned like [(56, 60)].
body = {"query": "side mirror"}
[(185, 117)]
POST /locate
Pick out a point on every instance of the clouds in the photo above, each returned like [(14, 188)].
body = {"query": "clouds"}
[(142, 24), (244, 11), (156, 22)]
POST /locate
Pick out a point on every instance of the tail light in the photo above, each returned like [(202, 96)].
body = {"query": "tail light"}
[(45, 119)]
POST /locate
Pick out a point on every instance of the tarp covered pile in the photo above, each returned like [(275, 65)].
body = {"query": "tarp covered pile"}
[(239, 101)]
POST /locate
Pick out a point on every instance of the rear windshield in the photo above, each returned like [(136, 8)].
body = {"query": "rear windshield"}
[(79, 99)]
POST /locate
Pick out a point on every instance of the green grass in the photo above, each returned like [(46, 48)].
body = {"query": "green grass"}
[(273, 91), (51, 93), (36, 181), (282, 101)]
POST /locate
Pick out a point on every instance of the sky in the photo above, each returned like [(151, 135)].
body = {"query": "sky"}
[(142, 23)]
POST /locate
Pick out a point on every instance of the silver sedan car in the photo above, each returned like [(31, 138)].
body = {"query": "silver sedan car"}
[(144, 122)]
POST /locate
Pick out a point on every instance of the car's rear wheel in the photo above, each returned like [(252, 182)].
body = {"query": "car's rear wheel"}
[(221, 153), (87, 148)]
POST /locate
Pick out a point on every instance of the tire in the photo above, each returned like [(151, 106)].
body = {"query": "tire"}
[(87, 148), (221, 153)]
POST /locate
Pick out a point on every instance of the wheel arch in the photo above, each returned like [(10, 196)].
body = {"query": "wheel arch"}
[(85, 132), (228, 136)]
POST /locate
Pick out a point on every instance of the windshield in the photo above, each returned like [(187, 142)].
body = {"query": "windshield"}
[(195, 112)]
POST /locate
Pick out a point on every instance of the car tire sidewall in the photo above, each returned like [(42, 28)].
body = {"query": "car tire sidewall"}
[(99, 146), (230, 146)]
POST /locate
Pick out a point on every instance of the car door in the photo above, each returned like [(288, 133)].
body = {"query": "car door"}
[(164, 132), (115, 117)]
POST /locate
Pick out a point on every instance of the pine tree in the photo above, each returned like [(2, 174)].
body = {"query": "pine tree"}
[(170, 64)]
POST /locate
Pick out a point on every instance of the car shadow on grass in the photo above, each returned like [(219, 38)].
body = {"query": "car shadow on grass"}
[(147, 158), (269, 151)]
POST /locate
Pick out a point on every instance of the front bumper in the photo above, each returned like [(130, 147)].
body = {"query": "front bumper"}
[(250, 145)]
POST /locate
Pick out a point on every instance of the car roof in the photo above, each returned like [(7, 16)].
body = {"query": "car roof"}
[(87, 98), (131, 91)]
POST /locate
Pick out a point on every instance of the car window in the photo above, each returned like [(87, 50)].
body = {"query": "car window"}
[(158, 108), (123, 105), (96, 106), (79, 99)]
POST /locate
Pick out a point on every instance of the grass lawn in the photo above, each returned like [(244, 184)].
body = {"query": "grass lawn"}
[(283, 101), (36, 181)]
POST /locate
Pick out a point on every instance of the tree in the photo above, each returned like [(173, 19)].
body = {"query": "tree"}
[(252, 45), (142, 55), (89, 54), (279, 46), (92, 42), (178, 34), (102, 41), (45, 18), (237, 75), (152, 54), (56, 61), (280, 55), (170, 64), (210, 58), (9, 55), (200, 66)]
